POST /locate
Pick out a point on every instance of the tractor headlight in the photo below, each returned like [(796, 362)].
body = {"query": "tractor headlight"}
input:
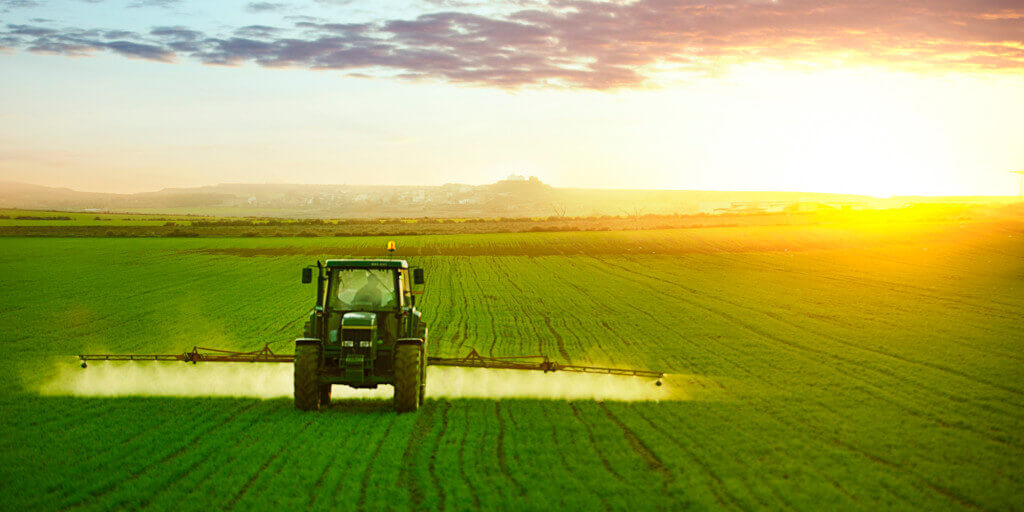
[(347, 343), (366, 344)]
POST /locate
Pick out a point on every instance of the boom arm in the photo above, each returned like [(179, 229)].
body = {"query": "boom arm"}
[(471, 360), (541, 363)]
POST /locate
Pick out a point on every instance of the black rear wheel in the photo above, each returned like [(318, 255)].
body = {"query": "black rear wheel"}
[(408, 367), (423, 368), (307, 392), (325, 395)]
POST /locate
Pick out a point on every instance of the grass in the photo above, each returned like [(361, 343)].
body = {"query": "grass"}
[(846, 368)]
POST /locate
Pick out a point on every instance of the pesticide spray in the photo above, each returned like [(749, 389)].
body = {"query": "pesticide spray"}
[(269, 381)]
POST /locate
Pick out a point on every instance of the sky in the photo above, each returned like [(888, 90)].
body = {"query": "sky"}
[(917, 97)]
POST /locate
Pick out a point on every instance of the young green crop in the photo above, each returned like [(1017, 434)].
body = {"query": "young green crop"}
[(818, 368)]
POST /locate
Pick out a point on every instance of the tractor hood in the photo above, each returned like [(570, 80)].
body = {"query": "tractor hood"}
[(359, 320), (380, 263)]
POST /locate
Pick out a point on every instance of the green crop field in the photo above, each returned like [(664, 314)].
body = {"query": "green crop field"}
[(871, 367)]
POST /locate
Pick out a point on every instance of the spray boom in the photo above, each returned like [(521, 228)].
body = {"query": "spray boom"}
[(471, 360)]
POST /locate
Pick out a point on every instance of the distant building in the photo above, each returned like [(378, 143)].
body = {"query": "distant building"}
[(711, 207), (517, 177)]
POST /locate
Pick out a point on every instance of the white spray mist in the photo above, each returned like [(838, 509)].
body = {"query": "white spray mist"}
[(105, 379)]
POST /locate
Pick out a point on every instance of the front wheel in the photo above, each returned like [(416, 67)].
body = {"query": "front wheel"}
[(408, 368), (307, 392)]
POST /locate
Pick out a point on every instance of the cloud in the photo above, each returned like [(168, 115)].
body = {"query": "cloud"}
[(141, 51), (599, 45), (258, 31), (177, 33), (10, 5), (166, 4), (264, 6)]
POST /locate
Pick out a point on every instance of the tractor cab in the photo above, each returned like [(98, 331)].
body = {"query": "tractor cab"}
[(366, 295), (364, 327)]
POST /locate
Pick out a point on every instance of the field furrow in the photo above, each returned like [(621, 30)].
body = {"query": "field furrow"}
[(813, 368)]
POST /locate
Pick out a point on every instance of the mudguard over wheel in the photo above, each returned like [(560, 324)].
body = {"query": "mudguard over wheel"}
[(307, 391), (408, 370)]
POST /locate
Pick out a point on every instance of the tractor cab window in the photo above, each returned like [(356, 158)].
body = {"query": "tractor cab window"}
[(355, 289)]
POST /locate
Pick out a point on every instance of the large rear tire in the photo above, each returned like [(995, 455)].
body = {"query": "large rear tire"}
[(423, 369), (307, 392), (408, 365), (325, 395)]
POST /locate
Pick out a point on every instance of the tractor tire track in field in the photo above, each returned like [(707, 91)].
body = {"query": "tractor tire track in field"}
[(649, 457), (949, 298), (508, 272), (573, 312), (500, 451), (147, 431), (454, 331), (727, 419), (719, 458), (421, 429), (807, 426), (432, 466), (361, 501), (315, 490), (569, 309), (902, 469), (266, 463), (525, 330), (467, 327), (473, 492), (355, 431), (879, 392), (870, 368), (824, 477), (184, 472), (558, 340), (593, 442), (600, 265), (779, 318), (484, 303), (934, 366), (112, 486), (570, 447), (834, 339), (816, 431), (718, 489), (304, 454)]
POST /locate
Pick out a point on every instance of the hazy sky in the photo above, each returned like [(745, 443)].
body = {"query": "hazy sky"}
[(857, 96)]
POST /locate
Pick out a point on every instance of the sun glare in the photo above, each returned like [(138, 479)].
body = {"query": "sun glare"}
[(862, 131)]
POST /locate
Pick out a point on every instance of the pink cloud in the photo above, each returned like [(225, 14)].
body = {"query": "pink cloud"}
[(600, 45)]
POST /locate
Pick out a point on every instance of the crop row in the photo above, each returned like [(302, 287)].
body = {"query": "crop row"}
[(879, 377)]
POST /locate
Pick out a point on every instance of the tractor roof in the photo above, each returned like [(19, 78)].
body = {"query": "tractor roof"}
[(381, 263)]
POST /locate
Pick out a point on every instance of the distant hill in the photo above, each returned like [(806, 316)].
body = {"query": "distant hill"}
[(506, 198)]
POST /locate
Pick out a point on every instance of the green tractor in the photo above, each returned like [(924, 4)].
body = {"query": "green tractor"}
[(364, 331)]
